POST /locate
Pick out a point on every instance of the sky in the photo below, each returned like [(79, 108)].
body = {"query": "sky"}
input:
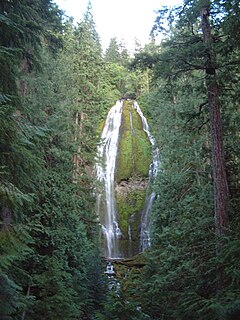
[(126, 20)]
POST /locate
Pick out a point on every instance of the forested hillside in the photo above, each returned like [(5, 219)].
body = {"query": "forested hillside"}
[(57, 86)]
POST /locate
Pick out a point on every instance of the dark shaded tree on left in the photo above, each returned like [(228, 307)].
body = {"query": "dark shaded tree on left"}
[(48, 227), (22, 26)]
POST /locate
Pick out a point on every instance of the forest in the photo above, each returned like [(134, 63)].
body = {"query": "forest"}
[(57, 86)]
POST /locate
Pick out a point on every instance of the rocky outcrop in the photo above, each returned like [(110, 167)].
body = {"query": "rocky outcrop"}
[(131, 176), (127, 186)]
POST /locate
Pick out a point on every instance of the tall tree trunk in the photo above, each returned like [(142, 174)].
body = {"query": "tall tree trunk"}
[(218, 161)]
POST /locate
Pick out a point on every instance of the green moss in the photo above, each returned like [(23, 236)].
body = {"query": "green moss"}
[(101, 126), (129, 207), (127, 104), (134, 148), (141, 153), (136, 119), (132, 169), (124, 167)]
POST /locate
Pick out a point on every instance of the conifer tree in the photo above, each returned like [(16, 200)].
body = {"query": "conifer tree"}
[(180, 277), (112, 53), (48, 225), (62, 270), (22, 26)]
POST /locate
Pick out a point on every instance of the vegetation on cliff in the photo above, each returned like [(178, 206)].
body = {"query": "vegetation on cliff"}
[(132, 170), (134, 147)]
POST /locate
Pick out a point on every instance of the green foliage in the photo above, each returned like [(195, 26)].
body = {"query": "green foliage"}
[(12, 300), (182, 247), (179, 280), (49, 256), (112, 53), (117, 307), (55, 90), (125, 82), (61, 270)]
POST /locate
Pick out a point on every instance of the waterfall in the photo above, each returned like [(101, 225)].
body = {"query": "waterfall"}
[(105, 167), (107, 152), (145, 221)]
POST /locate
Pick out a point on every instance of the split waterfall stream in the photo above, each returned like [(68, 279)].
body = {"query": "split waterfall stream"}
[(124, 222)]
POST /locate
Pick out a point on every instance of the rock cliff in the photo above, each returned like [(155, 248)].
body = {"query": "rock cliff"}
[(131, 177)]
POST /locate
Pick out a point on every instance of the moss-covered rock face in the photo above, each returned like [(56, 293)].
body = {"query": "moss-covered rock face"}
[(134, 148), (131, 176), (130, 202)]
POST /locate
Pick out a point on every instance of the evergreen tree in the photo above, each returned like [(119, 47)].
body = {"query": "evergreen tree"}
[(180, 277), (112, 53), (124, 54), (63, 271), (20, 148), (48, 228)]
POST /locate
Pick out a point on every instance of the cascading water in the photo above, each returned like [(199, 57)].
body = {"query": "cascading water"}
[(106, 166), (107, 151), (145, 221)]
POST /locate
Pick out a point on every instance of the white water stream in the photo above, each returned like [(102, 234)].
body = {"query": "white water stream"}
[(145, 220), (107, 154)]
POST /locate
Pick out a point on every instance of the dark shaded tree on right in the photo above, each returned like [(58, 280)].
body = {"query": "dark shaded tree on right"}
[(197, 46)]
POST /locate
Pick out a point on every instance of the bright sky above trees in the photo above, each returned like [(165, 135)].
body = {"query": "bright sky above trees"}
[(125, 19)]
